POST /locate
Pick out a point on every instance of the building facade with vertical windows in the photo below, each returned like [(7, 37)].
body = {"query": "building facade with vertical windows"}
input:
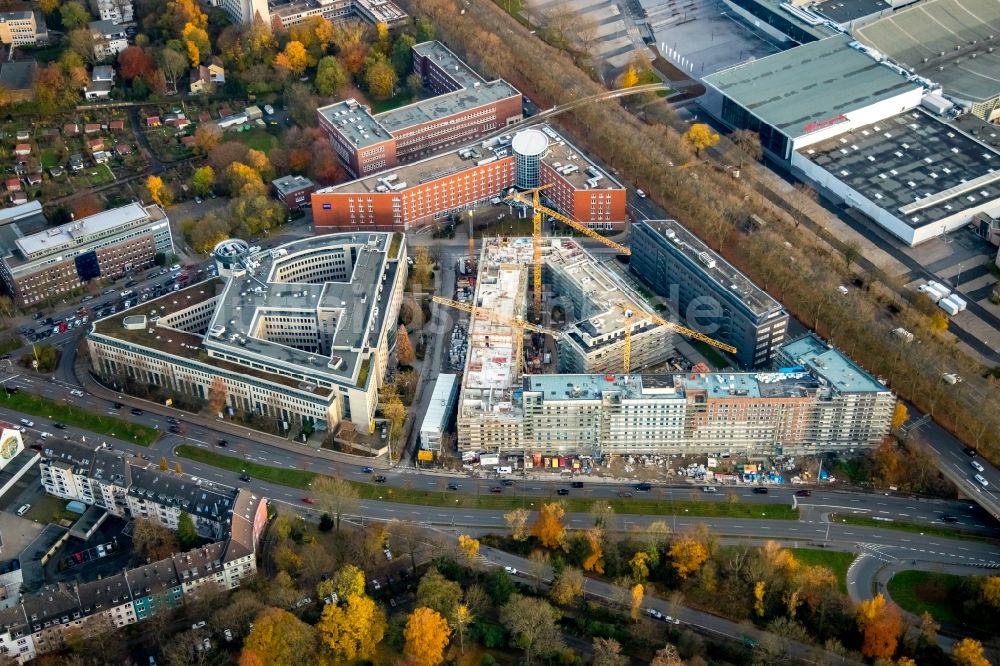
[(710, 294), (48, 263), (464, 108)]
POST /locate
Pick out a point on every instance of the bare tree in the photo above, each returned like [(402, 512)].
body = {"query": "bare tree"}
[(748, 145), (336, 497)]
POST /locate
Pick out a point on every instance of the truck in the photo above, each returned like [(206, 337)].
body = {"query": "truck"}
[(948, 306), (959, 301)]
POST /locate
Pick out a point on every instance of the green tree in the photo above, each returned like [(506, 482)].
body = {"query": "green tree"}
[(330, 76), (74, 15), (425, 30), (187, 534), (348, 581), (402, 55), (438, 593), (203, 180), (380, 78)]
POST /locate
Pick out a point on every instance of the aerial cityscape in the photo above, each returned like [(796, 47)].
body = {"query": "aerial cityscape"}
[(500, 332)]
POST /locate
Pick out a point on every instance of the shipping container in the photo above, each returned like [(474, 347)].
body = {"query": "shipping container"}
[(948, 306)]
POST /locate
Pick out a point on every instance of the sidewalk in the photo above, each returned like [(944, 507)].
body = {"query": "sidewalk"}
[(82, 372)]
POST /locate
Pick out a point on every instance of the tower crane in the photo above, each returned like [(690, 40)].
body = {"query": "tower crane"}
[(519, 325), (629, 309), (530, 198)]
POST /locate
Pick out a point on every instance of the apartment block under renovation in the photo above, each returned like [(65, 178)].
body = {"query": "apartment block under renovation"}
[(818, 401)]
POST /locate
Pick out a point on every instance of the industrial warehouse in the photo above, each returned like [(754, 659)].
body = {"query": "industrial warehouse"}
[(595, 405), (298, 335)]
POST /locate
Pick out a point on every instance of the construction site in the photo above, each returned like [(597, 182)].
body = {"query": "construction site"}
[(592, 377)]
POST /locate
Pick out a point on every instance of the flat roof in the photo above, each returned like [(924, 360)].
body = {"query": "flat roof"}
[(364, 129), (711, 265), (830, 365), (288, 184), (951, 42), (18, 75), (845, 11), (810, 83), (73, 233), (440, 403), (674, 386), (912, 165)]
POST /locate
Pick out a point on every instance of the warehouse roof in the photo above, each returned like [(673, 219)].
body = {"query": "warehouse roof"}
[(952, 42), (912, 165), (798, 90)]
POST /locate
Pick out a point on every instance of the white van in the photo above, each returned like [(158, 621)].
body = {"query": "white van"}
[(504, 470)]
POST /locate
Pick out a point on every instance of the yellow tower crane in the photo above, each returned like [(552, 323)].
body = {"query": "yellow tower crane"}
[(519, 325), (629, 309)]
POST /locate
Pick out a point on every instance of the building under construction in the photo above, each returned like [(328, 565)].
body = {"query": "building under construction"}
[(593, 406)]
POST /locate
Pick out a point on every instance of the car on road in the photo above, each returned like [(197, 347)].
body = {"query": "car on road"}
[(175, 268), (496, 489), (653, 613), (308, 500), (671, 620), (452, 486), (511, 570), (23, 509), (175, 430), (76, 392), (948, 518), (641, 194), (983, 482), (136, 411), (803, 493), (760, 490), (507, 482), (708, 489), (976, 466), (117, 405), (562, 491), (625, 493), (644, 487), (969, 451), (380, 478), (367, 470), (27, 423), (245, 478), (172, 420), (222, 442), (59, 426), (577, 484), (197, 200)]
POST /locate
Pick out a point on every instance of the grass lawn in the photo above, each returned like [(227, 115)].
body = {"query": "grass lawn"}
[(937, 593), (99, 175), (50, 158), (834, 560), (715, 358), (81, 418), (10, 344), (49, 509), (258, 139), (508, 500), (508, 226), (402, 98), (920, 528)]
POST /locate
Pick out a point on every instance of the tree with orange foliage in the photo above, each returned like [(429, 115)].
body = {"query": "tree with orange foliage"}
[(637, 594), (84, 204), (426, 636), (293, 59), (969, 652), (880, 623), (688, 554), (250, 658), (404, 348), (548, 527), (217, 395), (594, 561)]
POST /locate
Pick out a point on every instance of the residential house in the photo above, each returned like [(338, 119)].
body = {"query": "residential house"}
[(101, 156), (95, 144), (18, 80), (153, 121), (23, 135), (22, 28), (18, 198), (91, 128), (35, 177), (22, 149), (162, 496), (123, 149), (115, 11), (109, 39), (71, 129), (116, 125), (76, 162), (102, 80), (206, 78), (13, 184)]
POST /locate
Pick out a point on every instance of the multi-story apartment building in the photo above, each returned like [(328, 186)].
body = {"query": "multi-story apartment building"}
[(116, 11), (41, 622), (284, 16), (421, 193), (712, 296), (48, 263), (465, 108), (299, 334), (109, 39), (22, 28)]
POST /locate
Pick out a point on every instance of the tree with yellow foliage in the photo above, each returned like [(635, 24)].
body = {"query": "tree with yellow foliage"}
[(939, 322), (196, 41), (567, 587), (687, 554), (281, 639), (353, 630), (629, 77), (758, 598), (880, 623), (548, 527), (989, 591), (348, 581), (426, 636), (900, 414), (468, 546), (158, 191), (637, 594), (293, 59), (463, 618), (701, 136), (594, 561), (969, 652), (640, 565)]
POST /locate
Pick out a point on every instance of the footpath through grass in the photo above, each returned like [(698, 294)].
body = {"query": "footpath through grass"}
[(918, 528), (81, 418), (937, 593), (296, 478)]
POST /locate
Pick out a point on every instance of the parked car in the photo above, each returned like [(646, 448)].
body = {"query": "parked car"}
[(380, 478), (653, 613), (644, 487), (27, 423), (23, 509), (511, 570), (969, 451)]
